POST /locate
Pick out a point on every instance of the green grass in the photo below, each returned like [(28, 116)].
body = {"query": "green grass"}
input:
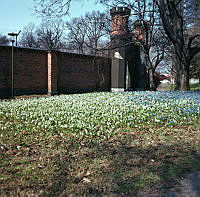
[(195, 86), (100, 143)]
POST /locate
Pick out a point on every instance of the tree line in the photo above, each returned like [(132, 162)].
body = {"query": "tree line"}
[(85, 35)]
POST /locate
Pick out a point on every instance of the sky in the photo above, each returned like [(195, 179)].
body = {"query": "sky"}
[(15, 14)]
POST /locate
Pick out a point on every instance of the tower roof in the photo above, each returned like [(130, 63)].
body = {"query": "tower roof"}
[(120, 11)]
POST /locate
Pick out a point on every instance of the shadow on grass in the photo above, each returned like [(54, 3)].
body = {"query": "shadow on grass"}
[(120, 168)]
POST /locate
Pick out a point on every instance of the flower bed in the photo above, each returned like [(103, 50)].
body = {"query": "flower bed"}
[(99, 114)]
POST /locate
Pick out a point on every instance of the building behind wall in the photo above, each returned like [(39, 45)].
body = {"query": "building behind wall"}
[(128, 71)]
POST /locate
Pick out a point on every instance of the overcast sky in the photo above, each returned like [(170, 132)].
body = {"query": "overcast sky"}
[(15, 14)]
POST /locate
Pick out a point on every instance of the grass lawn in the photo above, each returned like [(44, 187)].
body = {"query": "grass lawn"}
[(195, 86), (98, 143)]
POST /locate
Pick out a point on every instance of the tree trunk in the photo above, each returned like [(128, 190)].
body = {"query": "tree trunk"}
[(152, 85), (182, 71), (185, 85), (177, 79)]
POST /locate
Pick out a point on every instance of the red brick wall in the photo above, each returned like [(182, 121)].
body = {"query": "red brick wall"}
[(5, 70), (30, 71), (42, 72)]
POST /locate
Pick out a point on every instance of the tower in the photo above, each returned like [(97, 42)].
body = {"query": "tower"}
[(135, 57), (119, 39)]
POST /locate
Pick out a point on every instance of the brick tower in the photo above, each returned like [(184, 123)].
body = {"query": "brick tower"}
[(119, 39)]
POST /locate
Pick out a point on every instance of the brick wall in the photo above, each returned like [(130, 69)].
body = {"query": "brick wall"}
[(42, 72), (81, 73), (5, 71), (30, 71)]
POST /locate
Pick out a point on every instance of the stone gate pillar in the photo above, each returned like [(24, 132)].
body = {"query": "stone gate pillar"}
[(52, 65), (119, 39)]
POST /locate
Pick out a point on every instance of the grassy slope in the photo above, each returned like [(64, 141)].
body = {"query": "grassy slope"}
[(133, 159)]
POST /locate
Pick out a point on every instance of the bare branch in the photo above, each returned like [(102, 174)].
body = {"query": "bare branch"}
[(191, 40)]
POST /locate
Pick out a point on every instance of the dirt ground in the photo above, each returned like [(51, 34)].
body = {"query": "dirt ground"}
[(187, 186)]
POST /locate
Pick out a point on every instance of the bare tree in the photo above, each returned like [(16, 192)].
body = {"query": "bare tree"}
[(193, 18), (195, 67), (4, 40), (157, 52), (154, 41), (49, 35), (192, 15), (172, 15), (77, 35), (86, 34), (28, 37), (97, 25), (52, 8)]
